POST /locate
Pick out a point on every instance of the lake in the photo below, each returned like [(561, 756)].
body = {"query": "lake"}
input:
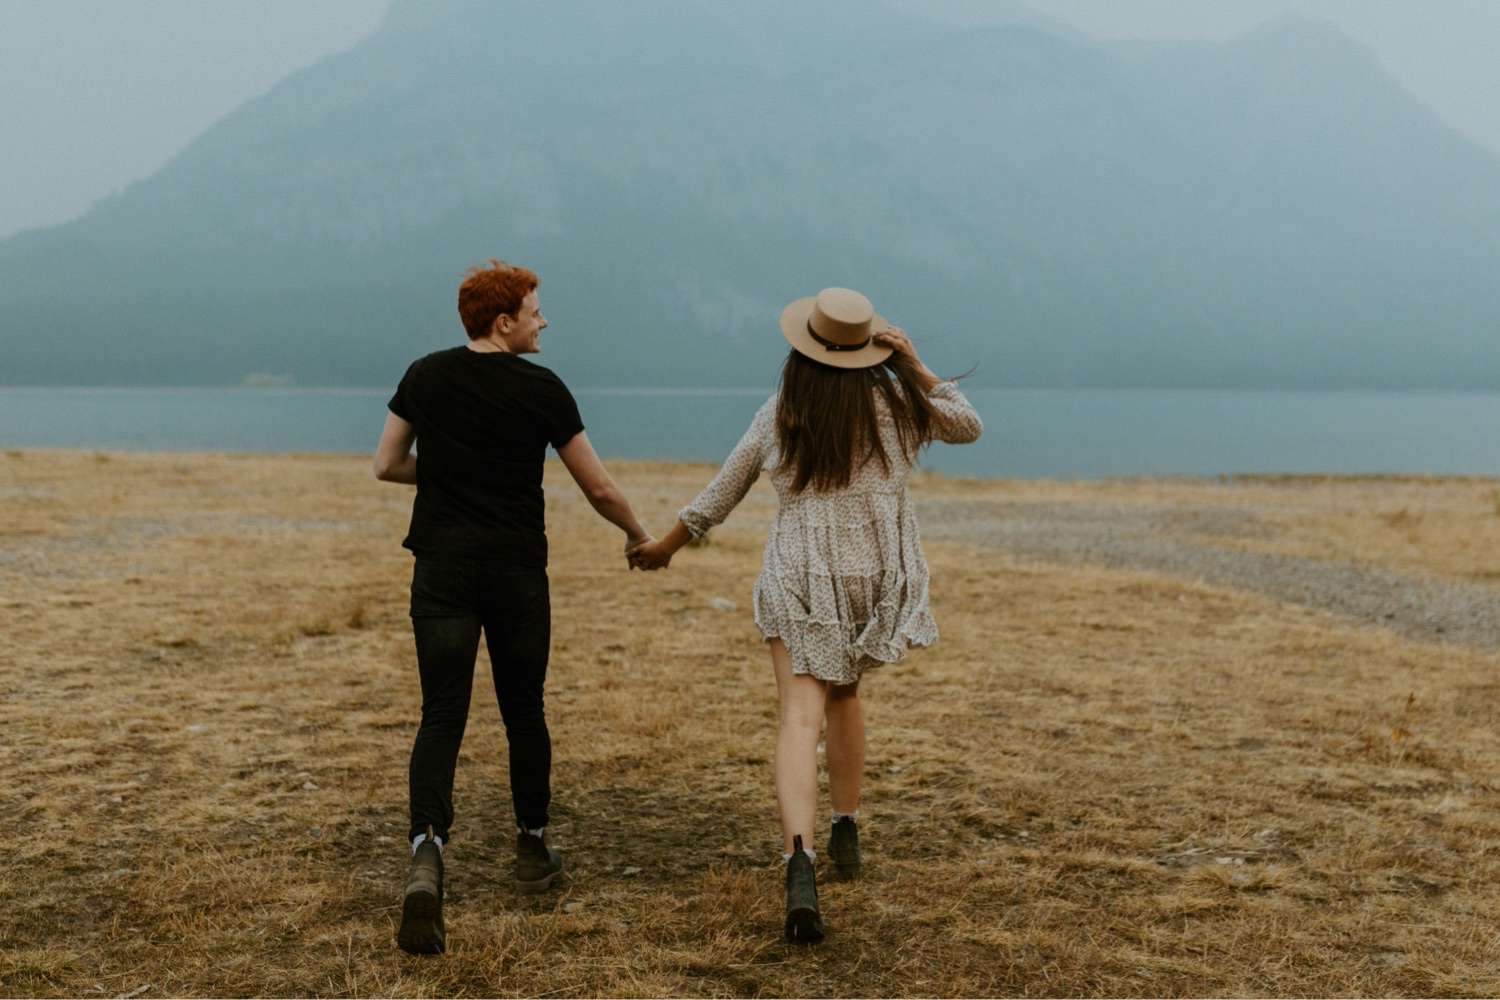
[(1029, 433)]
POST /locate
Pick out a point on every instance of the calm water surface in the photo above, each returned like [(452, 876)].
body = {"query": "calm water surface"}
[(1029, 434)]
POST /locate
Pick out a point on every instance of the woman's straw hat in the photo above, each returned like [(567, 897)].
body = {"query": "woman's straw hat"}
[(836, 327)]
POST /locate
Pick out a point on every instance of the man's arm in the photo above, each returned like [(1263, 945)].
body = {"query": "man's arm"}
[(599, 487), (394, 462)]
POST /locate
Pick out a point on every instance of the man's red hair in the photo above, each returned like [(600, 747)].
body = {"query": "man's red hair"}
[(487, 292)]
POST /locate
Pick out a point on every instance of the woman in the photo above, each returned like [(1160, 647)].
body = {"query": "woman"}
[(843, 586)]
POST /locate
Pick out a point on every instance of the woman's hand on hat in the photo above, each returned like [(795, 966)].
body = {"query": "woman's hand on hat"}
[(896, 339)]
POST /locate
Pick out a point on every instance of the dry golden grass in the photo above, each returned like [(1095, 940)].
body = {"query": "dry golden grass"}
[(1098, 783), (1442, 528)]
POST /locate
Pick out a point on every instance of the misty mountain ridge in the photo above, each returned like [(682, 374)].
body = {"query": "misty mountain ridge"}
[(1270, 211)]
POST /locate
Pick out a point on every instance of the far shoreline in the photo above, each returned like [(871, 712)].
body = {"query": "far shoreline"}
[(1051, 434)]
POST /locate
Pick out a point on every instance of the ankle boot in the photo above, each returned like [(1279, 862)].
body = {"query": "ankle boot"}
[(536, 863), (843, 848), (421, 930), (804, 922)]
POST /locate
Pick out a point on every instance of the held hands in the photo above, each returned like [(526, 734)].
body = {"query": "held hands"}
[(649, 555), (633, 545), (656, 553)]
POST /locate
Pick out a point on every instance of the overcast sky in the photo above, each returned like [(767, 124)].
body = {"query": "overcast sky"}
[(95, 94)]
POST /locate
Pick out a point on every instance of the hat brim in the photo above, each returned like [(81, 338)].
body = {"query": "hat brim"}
[(794, 328)]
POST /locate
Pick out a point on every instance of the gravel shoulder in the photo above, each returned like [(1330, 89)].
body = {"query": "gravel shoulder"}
[(1182, 543)]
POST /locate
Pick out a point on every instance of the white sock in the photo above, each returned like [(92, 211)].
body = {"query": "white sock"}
[(535, 833), (812, 854), (839, 817), (421, 837)]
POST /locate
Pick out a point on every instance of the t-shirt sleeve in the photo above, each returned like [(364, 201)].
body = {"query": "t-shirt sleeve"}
[(561, 415), (400, 402)]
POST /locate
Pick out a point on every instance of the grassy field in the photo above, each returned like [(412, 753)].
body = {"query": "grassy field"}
[(1098, 783)]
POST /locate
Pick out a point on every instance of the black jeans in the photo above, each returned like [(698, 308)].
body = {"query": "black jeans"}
[(452, 600)]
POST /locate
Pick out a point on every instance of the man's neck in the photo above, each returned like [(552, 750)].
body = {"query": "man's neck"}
[(488, 345)]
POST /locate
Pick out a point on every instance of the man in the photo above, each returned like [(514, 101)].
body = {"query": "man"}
[(484, 417)]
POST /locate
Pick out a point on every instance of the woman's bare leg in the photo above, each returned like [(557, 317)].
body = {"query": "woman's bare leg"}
[(844, 746), (802, 700)]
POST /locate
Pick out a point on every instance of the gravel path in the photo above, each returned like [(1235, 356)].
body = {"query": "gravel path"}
[(1179, 543)]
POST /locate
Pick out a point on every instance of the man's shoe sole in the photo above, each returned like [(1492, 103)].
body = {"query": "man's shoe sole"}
[(421, 916), (541, 884)]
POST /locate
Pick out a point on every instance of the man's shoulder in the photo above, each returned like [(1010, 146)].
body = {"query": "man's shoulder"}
[(444, 355), (532, 368), (464, 364), (434, 360), (539, 375)]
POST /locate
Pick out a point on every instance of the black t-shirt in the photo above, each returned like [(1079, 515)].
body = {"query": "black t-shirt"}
[(483, 422)]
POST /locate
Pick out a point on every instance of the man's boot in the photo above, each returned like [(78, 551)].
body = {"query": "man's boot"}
[(421, 930), (536, 863)]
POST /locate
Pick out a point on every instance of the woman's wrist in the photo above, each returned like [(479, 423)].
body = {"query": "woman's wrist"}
[(676, 537)]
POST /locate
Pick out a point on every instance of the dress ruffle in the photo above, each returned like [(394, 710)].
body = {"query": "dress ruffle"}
[(843, 584)]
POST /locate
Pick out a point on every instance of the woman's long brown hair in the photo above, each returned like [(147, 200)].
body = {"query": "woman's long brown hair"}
[(826, 418)]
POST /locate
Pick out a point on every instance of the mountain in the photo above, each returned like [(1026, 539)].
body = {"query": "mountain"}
[(1272, 211)]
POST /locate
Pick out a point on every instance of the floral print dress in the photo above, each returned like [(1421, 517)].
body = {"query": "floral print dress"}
[(843, 582)]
